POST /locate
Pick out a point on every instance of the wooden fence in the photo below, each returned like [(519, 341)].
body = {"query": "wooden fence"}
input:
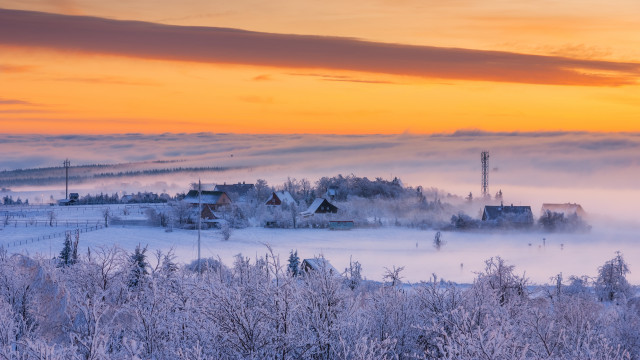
[(53, 236)]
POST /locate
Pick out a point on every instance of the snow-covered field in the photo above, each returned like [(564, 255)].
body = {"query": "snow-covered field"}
[(376, 249)]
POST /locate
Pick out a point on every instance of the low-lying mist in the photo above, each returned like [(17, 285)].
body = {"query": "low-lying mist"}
[(597, 170)]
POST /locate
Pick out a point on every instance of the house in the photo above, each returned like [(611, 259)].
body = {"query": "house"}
[(566, 209), (73, 199), (319, 264), (237, 191), (214, 200), (320, 206), (508, 215), (280, 197), (125, 199)]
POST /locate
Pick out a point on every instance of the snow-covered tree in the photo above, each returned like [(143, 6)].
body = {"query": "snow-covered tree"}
[(612, 283), (139, 266), (294, 263), (438, 241)]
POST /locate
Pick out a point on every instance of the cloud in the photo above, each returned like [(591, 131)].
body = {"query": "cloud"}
[(114, 80), (344, 78), (14, 102), (223, 45), (9, 68), (263, 77), (23, 111)]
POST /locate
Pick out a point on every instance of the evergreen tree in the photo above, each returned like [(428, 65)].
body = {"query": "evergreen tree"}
[(66, 253), (294, 263), (69, 254), (138, 266)]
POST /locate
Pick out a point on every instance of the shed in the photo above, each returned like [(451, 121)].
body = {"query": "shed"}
[(341, 224)]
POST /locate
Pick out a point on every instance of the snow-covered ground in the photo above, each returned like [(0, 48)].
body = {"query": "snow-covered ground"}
[(376, 249)]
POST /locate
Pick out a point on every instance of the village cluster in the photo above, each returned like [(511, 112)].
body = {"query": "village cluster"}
[(346, 202)]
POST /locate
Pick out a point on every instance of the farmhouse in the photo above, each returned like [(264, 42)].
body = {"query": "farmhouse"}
[(320, 206), (508, 215), (280, 197), (213, 200), (238, 192), (567, 209)]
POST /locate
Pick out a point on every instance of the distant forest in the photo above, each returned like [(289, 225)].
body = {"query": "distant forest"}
[(85, 173)]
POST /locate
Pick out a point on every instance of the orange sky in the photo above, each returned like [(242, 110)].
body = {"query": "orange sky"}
[(585, 79)]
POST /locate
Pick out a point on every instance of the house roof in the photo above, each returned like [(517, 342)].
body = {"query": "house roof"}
[(313, 208), (496, 212), (208, 197), (320, 264), (284, 196), (240, 189), (567, 208)]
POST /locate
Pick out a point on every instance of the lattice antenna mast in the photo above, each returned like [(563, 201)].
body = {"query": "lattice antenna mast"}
[(199, 224), (484, 158), (66, 164)]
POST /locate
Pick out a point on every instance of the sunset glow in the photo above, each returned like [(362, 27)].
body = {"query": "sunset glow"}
[(319, 67)]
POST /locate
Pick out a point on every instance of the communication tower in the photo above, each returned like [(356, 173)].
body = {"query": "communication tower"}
[(484, 158), (66, 171)]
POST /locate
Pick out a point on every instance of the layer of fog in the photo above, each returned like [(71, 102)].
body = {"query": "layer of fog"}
[(596, 170)]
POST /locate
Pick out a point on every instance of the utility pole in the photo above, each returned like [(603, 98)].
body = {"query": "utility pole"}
[(66, 164), (199, 223)]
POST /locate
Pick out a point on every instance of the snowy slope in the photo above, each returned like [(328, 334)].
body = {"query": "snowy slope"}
[(462, 255)]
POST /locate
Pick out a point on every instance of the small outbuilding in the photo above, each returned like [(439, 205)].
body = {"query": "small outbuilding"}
[(341, 224)]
